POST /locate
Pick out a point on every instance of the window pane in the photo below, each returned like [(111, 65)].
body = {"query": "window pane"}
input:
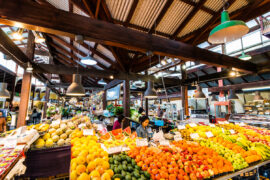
[(233, 46), (216, 49), (251, 39)]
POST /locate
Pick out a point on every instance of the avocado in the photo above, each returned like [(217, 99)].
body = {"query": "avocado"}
[(125, 162), (123, 173), (137, 175), (137, 167), (128, 159), (146, 174), (141, 172), (117, 176), (118, 158), (120, 167), (130, 168), (116, 170), (116, 162), (128, 177)]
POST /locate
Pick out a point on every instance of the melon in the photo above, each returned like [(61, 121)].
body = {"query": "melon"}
[(106, 136), (46, 136), (61, 142), (127, 131), (119, 137), (69, 131), (133, 135), (116, 132), (55, 138)]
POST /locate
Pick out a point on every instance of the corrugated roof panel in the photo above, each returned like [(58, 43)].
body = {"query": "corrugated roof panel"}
[(78, 11), (60, 4), (147, 12), (237, 5), (214, 4), (198, 20), (119, 9), (106, 52), (100, 60), (176, 14)]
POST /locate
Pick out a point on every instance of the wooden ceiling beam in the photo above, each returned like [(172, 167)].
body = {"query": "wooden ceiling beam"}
[(38, 17), (188, 18), (161, 15)]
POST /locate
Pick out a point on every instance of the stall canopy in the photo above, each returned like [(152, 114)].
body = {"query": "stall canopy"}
[(120, 36)]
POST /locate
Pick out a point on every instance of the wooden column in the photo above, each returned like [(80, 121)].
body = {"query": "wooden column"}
[(104, 100), (126, 102), (47, 97), (146, 99), (184, 93), (26, 83)]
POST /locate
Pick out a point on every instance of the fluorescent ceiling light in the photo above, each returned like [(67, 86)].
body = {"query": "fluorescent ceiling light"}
[(256, 88)]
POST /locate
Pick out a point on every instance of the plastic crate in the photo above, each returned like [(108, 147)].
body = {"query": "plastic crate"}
[(159, 122)]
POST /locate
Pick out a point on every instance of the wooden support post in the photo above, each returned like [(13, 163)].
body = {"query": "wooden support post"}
[(126, 102), (26, 83), (104, 100), (184, 93)]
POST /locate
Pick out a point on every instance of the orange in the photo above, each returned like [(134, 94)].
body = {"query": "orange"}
[(105, 165), (172, 177), (84, 176), (91, 166), (100, 169), (80, 169), (110, 172)]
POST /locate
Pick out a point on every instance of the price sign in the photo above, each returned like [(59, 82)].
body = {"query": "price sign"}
[(177, 137), (56, 122), (115, 149), (164, 143), (192, 124), (181, 127), (226, 122), (82, 125), (141, 142), (232, 131), (11, 142), (88, 132), (209, 134), (194, 136), (212, 125), (220, 122), (222, 130), (242, 124)]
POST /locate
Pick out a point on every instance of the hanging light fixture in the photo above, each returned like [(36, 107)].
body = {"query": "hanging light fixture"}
[(37, 98), (150, 91), (76, 88), (258, 96), (102, 82), (88, 60), (232, 95), (244, 56), (214, 98), (228, 30), (199, 94), (18, 34), (29, 68), (4, 93)]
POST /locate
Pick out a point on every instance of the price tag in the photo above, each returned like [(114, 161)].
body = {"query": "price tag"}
[(194, 136), (222, 130), (181, 127), (226, 122), (242, 124), (177, 137), (115, 149), (88, 132), (11, 142), (192, 124), (56, 122), (212, 125), (232, 131), (164, 143), (82, 125), (141, 142), (209, 134)]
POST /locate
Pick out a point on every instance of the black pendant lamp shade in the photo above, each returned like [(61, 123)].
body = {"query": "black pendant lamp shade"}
[(258, 96), (232, 95), (150, 91), (76, 88), (199, 94)]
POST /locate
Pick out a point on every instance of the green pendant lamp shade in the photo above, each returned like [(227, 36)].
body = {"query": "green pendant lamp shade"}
[(232, 95), (150, 91), (76, 88), (3, 91), (244, 56), (228, 30), (199, 94)]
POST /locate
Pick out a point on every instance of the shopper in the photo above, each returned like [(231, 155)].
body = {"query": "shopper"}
[(117, 123), (141, 130)]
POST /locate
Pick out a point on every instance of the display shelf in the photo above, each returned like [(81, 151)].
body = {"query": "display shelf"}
[(225, 177)]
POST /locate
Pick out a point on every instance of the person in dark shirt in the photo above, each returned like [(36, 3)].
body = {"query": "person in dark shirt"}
[(117, 124)]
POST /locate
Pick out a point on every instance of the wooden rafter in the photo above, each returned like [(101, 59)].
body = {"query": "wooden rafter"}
[(97, 9), (204, 8)]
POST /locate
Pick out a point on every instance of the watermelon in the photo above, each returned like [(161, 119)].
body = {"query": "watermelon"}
[(119, 137), (133, 135), (127, 131), (106, 136), (116, 132)]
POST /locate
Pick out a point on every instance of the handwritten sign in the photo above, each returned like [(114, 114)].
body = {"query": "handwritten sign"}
[(56, 122), (177, 137), (88, 132), (164, 143), (194, 136), (181, 127), (141, 142), (209, 134)]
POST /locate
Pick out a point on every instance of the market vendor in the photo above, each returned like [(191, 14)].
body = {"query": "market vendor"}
[(117, 123), (2, 124), (142, 129)]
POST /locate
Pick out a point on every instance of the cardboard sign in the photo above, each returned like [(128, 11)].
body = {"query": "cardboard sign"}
[(181, 127), (164, 143), (194, 136), (88, 132), (141, 142), (209, 134), (177, 137)]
